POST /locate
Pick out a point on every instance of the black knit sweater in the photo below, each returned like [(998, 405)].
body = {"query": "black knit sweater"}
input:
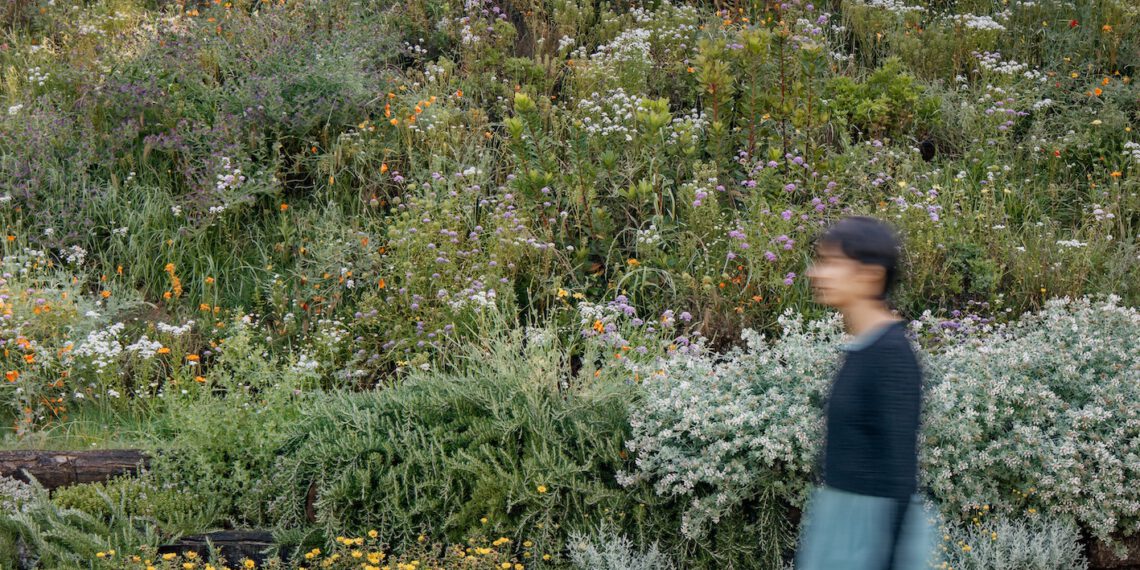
[(872, 416)]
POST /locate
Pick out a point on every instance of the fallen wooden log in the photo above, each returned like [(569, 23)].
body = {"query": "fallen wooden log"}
[(55, 469), (234, 545)]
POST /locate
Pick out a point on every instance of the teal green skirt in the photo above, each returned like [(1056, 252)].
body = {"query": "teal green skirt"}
[(846, 531)]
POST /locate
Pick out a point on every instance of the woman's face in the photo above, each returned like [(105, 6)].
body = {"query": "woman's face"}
[(839, 281)]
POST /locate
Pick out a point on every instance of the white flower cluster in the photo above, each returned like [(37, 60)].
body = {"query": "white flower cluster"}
[(38, 76), (1132, 149), (102, 346), (1071, 243), (75, 255), (1047, 408), (231, 176), (649, 236), (630, 46), (482, 299), (144, 347), (895, 6), (610, 114), (1044, 406), (975, 22), (1100, 214), (729, 423), (175, 331), (992, 61), (305, 364)]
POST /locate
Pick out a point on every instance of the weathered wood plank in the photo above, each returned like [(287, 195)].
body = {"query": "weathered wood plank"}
[(234, 545), (55, 469)]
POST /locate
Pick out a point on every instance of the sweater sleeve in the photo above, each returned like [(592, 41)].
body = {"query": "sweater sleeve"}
[(896, 396)]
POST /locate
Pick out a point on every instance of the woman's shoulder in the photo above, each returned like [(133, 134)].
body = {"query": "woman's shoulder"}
[(893, 338)]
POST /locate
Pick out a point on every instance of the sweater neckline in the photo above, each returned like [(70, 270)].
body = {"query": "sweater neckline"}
[(868, 337)]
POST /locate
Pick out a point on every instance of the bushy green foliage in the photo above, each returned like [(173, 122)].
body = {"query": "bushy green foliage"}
[(502, 447), (45, 534), (889, 103), (173, 511)]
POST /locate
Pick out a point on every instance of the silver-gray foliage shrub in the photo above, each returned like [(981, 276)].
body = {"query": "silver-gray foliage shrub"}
[(1035, 543), (604, 548), (1040, 414)]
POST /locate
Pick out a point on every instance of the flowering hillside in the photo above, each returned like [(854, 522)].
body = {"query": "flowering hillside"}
[(443, 270)]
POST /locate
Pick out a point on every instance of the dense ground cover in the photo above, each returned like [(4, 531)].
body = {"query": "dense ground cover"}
[(496, 270)]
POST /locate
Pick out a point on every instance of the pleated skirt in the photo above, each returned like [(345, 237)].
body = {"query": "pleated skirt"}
[(847, 531)]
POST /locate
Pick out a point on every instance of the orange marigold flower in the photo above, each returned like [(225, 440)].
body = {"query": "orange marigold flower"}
[(12, 375), (105, 293), (284, 207), (163, 350), (1097, 91), (1116, 174), (200, 379)]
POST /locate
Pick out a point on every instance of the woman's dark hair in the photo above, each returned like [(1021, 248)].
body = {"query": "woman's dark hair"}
[(867, 240)]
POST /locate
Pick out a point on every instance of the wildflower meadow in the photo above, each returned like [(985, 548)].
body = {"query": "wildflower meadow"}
[(514, 284)]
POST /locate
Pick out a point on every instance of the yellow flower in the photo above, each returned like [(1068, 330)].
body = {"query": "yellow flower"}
[(168, 556), (542, 488), (373, 534), (505, 565), (546, 557), (528, 544), (633, 262), (248, 563), (483, 520), (562, 293)]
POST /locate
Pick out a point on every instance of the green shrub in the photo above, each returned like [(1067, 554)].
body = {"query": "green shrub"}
[(501, 447)]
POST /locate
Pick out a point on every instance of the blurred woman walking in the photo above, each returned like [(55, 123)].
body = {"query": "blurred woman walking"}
[(868, 513)]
